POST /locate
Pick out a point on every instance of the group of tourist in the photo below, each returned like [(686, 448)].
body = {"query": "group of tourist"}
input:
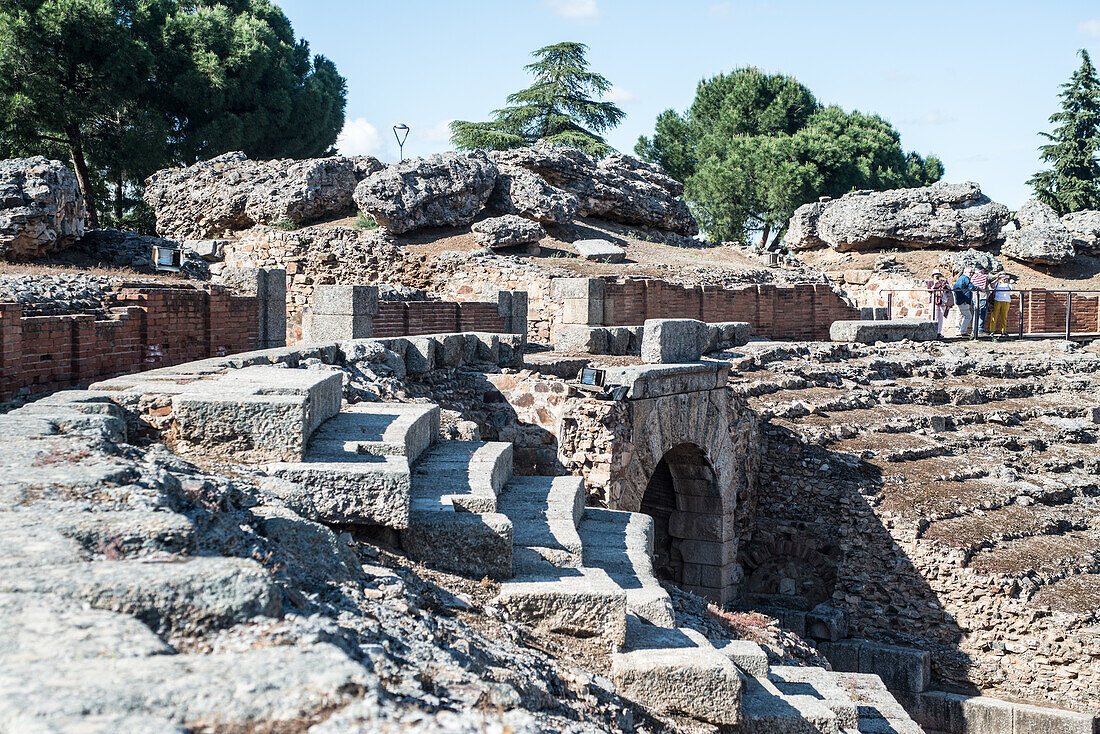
[(975, 294)]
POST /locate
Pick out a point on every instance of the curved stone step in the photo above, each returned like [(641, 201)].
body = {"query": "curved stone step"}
[(584, 602), (678, 671), (378, 429), (621, 543), (465, 476), (544, 512)]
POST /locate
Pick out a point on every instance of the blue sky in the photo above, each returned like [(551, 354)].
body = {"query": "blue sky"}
[(973, 82)]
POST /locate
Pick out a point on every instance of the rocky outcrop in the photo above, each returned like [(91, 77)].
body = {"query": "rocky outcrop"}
[(41, 209), (618, 188), (1084, 229), (233, 192), (507, 230), (956, 262), (447, 189), (519, 191), (1040, 236), (943, 215)]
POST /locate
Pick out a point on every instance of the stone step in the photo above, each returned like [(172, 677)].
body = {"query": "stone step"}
[(470, 543), (767, 710), (677, 671), (378, 429), (621, 544), (544, 512), (818, 683), (466, 476), (583, 602), (349, 489), (749, 657), (879, 712)]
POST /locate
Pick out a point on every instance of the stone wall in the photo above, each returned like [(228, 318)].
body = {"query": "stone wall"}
[(802, 311), (149, 327)]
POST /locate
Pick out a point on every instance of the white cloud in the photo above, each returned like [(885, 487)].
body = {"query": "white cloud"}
[(575, 9), (721, 10), (1090, 28), (359, 137), (618, 95), (932, 118), (437, 133)]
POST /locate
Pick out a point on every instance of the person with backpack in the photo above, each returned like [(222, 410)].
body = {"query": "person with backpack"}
[(941, 299), (963, 292)]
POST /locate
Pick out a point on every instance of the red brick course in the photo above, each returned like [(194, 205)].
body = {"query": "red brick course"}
[(408, 318), (149, 327)]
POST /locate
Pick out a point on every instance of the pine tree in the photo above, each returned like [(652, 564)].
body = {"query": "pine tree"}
[(1073, 181), (560, 107)]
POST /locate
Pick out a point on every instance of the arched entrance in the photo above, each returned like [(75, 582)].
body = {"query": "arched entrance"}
[(683, 498)]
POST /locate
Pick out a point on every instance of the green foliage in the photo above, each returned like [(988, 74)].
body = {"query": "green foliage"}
[(284, 224), (753, 147), (561, 107), (125, 87), (1072, 183), (364, 221)]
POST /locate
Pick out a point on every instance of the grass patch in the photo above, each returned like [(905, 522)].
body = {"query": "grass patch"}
[(364, 221), (284, 224)]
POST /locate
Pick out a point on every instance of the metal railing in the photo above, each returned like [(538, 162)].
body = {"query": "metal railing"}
[(982, 300)]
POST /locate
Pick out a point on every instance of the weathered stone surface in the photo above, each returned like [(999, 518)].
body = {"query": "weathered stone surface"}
[(673, 341), (1040, 237), (956, 262), (869, 332), (519, 191), (945, 215), (599, 251), (506, 230), (41, 209), (618, 188), (442, 190), (233, 192), (1084, 229)]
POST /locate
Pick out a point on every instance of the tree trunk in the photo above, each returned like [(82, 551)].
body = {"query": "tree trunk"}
[(76, 150), (118, 198), (764, 237)]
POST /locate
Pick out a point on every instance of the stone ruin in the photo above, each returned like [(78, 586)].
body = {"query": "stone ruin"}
[(455, 531)]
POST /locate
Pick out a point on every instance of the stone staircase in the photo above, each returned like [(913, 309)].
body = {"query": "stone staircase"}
[(563, 568)]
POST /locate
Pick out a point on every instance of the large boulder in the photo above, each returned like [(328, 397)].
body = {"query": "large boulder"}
[(507, 230), (41, 209), (233, 192), (1039, 237), (956, 262), (1084, 229), (618, 188), (943, 215), (519, 191), (443, 190)]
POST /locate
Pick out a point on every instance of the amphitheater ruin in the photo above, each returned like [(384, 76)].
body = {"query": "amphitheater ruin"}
[(450, 474)]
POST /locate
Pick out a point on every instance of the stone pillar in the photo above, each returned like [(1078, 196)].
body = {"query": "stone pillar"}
[(339, 312), (512, 306), (268, 286), (581, 299)]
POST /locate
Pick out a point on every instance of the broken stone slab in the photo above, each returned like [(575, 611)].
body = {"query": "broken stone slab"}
[(506, 230), (650, 381), (190, 594), (599, 251), (827, 622), (678, 671), (900, 668), (349, 488), (869, 332), (208, 250), (673, 341), (727, 334), (314, 555), (283, 684), (582, 340)]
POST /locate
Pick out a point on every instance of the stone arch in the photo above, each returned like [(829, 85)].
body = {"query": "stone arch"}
[(688, 436), (793, 572)]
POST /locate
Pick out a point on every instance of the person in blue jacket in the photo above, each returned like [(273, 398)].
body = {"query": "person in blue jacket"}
[(964, 290)]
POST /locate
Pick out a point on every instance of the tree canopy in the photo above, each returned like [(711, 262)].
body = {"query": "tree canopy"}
[(753, 147), (124, 87), (562, 106), (1072, 183)]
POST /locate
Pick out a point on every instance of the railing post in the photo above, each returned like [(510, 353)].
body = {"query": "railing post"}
[(889, 304), (1021, 314), (1069, 306)]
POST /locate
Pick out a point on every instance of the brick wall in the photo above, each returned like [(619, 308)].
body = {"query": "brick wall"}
[(149, 327), (407, 318), (803, 311)]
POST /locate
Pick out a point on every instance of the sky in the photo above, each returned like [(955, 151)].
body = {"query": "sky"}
[(973, 82)]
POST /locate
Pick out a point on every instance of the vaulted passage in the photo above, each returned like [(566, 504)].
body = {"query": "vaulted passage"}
[(683, 499)]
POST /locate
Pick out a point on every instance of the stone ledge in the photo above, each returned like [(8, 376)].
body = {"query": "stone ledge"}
[(651, 381), (869, 332)]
